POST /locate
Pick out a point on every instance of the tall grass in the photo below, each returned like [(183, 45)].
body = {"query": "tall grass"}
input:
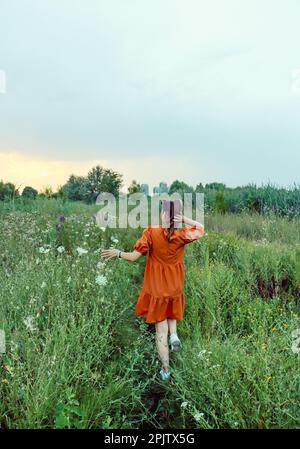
[(77, 356)]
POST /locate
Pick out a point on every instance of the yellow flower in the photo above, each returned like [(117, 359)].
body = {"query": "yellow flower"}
[(264, 346), (269, 378)]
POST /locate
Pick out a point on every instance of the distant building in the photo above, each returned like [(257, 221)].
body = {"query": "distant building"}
[(145, 189), (163, 187)]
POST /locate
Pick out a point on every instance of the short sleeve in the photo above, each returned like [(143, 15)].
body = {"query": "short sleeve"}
[(189, 235), (144, 244)]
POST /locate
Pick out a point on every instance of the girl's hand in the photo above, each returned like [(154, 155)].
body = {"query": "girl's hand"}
[(178, 218), (109, 253)]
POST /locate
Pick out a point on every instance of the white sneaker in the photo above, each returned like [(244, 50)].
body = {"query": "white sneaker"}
[(175, 343)]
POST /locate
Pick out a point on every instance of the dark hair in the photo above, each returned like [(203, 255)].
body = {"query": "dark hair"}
[(171, 208)]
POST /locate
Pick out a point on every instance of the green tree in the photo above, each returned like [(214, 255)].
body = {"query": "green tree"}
[(100, 180), (111, 182), (199, 188), (221, 205), (180, 187), (215, 186), (29, 192), (134, 187), (8, 191), (75, 188)]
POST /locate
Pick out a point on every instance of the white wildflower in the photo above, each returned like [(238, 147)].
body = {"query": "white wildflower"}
[(101, 280), (215, 366), (43, 250), (100, 265), (198, 416), (61, 249), (184, 404), (81, 251), (29, 323), (201, 353), (114, 240)]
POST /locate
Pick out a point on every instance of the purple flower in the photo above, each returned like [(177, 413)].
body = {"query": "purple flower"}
[(62, 219)]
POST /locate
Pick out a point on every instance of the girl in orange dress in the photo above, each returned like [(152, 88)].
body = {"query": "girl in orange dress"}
[(161, 300)]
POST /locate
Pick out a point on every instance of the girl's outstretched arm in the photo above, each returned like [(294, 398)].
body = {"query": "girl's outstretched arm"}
[(111, 253)]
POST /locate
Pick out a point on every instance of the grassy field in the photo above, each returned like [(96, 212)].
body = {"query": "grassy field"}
[(76, 355)]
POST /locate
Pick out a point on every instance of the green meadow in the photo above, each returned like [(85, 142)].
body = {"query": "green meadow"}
[(77, 357)]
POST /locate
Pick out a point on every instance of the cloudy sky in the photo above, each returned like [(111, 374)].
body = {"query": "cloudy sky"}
[(157, 89)]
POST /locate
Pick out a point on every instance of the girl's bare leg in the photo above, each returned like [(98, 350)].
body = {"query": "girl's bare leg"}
[(172, 326), (162, 343)]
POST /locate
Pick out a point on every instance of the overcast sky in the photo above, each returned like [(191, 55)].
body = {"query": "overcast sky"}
[(157, 89)]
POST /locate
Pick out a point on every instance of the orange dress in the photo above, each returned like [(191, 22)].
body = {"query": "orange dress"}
[(162, 293)]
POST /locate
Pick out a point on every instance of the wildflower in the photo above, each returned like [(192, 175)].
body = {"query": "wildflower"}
[(184, 404), (114, 240), (100, 265), (60, 249), (198, 416), (62, 219), (29, 323), (101, 280), (43, 250), (215, 366), (264, 346), (81, 251), (201, 353)]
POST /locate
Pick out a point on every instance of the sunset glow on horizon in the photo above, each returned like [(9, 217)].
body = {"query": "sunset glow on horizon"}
[(40, 172)]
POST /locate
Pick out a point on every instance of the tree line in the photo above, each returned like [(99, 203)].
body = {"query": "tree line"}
[(217, 196)]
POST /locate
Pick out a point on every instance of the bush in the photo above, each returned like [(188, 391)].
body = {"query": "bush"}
[(29, 192)]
